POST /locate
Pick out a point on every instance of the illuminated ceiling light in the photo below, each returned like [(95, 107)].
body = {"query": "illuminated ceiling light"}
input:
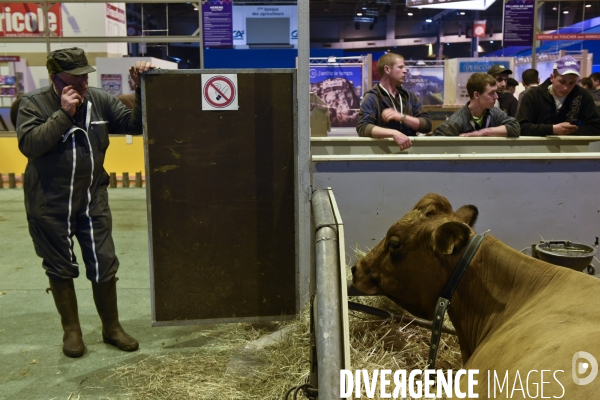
[(410, 14), (195, 8), (359, 14), (462, 13), (491, 41), (554, 8), (588, 5), (565, 12), (428, 20)]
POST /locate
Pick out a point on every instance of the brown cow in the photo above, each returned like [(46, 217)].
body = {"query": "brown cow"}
[(513, 314)]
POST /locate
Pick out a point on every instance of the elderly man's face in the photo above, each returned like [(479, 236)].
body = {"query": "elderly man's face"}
[(501, 80), (78, 82), (562, 85)]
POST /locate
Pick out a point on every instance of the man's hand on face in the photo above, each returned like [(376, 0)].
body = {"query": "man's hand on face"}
[(70, 100), (402, 141), (564, 128), (389, 114), (138, 69)]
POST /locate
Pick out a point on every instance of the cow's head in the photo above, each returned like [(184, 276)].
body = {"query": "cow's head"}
[(412, 264)]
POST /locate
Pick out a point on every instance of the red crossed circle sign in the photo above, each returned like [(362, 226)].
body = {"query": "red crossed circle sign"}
[(219, 91)]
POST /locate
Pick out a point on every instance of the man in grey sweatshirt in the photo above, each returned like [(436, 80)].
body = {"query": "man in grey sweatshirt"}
[(479, 117)]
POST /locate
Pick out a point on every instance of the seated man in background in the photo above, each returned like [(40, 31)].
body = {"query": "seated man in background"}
[(558, 106), (529, 79), (588, 85), (506, 101), (479, 117), (390, 111)]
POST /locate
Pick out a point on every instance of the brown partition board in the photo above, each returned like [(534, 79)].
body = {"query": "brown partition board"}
[(221, 198)]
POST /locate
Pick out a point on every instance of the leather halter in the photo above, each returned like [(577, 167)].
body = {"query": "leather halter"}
[(444, 300)]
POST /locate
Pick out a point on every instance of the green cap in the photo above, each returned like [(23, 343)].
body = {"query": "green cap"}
[(71, 61), (498, 69)]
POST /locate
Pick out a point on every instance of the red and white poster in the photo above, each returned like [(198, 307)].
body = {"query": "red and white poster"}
[(479, 29), (27, 19), (116, 23)]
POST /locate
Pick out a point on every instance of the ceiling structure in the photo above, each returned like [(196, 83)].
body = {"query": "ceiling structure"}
[(182, 19)]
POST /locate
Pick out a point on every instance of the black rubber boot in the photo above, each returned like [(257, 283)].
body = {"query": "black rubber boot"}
[(105, 297), (63, 292)]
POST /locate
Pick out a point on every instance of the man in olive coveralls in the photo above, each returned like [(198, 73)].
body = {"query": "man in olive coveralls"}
[(63, 131)]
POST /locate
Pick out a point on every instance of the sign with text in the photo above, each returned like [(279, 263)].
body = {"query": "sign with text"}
[(340, 86), (116, 24), (217, 23), (241, 13), (518, 22), (468, 66), (27, 19), (10, 58), (568, 36)]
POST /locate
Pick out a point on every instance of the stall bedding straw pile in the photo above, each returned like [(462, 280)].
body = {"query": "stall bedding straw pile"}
[(208, 373)]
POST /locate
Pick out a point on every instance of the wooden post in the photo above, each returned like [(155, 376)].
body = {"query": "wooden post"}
[(1, 182), (138, 179), (113, 180), (12, 182), (125, 179)]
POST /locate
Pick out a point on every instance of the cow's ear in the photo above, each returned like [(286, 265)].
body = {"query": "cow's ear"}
[(468, 214), (450, 238)]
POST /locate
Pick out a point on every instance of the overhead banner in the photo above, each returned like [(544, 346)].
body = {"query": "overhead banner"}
[(451, 4), (518, 22), (568, 36), (340, 87), (415, 3), (27, 19), (217, 23)]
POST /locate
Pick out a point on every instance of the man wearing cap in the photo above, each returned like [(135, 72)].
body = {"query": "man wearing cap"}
[(506, 101), (559, 106), (63, 131)]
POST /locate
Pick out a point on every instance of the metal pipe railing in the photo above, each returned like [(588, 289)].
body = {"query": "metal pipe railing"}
[(328, 316)]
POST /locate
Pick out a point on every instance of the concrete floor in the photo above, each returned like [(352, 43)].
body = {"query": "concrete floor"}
[(32, 365)]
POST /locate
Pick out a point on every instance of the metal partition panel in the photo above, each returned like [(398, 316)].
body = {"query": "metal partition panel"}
[(221, 198), (520, 200)]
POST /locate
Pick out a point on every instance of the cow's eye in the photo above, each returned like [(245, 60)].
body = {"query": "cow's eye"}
[(394, 244)]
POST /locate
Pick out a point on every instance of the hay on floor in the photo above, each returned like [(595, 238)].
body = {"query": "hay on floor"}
[(204, 374)]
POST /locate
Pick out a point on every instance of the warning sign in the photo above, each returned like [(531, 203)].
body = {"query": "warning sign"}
[(219, 92)]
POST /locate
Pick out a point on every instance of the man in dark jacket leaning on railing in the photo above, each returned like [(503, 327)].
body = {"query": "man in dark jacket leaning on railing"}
[(558, 106), (479, 117), (389, 110)]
